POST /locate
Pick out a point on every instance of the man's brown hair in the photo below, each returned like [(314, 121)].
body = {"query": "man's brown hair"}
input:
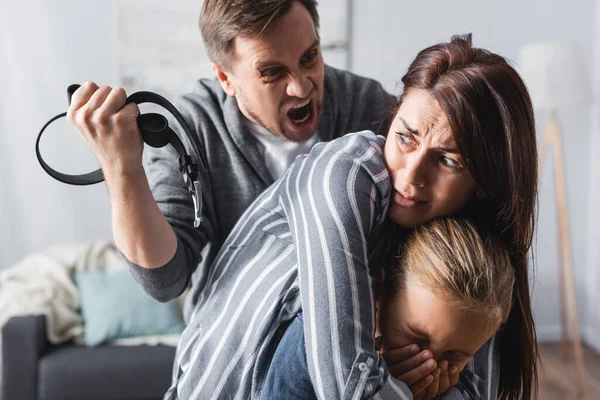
[(221, 21)]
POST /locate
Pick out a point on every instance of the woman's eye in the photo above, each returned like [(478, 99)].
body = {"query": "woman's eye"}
[(448, 162), (403, 138)]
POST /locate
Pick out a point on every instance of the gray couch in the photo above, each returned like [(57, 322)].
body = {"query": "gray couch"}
[(34, 369)]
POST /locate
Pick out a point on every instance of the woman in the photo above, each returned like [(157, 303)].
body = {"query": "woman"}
[(490, 118), (462, 142)]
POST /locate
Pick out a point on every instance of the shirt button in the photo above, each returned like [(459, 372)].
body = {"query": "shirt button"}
[(363, 367)]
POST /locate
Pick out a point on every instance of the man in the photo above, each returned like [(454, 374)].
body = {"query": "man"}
[(273, 99)]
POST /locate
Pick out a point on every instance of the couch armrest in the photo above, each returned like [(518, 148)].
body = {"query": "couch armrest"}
[(23, 344)]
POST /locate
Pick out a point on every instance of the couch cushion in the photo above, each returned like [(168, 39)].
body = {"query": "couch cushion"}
[(106, 373), (115, 306)]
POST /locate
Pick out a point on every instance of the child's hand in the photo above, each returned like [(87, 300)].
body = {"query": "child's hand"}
[(448, 376), (411, 366), (445, 377)]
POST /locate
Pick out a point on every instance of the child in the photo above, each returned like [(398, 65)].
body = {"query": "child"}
[(449, 292)]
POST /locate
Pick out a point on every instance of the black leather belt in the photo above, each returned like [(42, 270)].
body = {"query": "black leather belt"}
[(156, 133)]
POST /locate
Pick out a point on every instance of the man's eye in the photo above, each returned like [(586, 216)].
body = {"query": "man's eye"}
[(309, 57), (271, 72)]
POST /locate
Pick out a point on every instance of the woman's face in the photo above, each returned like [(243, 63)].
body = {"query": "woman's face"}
[(429, 176), (417, 315)]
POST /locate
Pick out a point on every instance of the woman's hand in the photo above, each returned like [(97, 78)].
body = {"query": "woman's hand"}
[(414, 367)]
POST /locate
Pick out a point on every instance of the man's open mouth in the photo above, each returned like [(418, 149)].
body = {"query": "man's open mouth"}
[(302, 114)]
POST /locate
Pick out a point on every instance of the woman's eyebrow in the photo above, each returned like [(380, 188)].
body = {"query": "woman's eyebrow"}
[(408, 128), (453, 150), (445, 149)]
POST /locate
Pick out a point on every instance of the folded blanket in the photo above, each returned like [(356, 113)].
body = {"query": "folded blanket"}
[(41, 284)]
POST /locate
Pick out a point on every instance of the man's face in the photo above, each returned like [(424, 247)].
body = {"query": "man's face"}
[(277, 77)]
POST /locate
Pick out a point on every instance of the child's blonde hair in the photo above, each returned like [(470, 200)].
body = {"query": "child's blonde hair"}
[(449, 257)]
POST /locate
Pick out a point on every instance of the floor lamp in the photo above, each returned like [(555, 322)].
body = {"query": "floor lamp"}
[(556, 78)]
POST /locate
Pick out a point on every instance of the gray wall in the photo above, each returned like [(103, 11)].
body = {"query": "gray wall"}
[(44, 47), (108, 40)]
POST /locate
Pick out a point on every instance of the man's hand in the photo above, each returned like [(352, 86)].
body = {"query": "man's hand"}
[(415, 368), (109, 126)]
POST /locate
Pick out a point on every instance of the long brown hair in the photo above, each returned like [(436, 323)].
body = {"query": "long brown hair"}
[(491, 116)]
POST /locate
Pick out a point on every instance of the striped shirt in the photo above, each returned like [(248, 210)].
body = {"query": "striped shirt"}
[(302, 245)]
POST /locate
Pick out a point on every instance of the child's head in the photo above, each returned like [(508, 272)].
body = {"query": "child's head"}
[(449, 291)]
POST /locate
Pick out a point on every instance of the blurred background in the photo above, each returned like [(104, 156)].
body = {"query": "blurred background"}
[(156, 45)]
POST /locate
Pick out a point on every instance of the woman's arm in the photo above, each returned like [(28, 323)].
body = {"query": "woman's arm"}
[(333, 199)]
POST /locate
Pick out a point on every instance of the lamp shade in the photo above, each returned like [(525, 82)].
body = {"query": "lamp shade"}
[(555, 75)]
